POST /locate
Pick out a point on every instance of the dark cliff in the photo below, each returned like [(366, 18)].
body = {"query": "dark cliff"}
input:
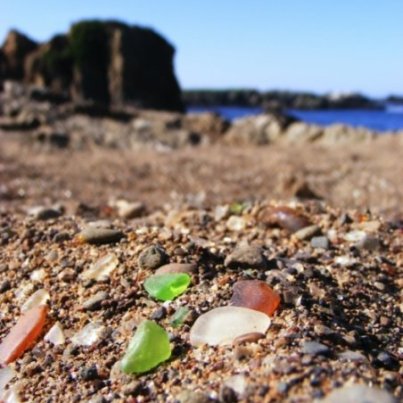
[(107, 62)]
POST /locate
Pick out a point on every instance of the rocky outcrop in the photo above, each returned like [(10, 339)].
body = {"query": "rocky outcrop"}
[(109, 63), (15, 49)]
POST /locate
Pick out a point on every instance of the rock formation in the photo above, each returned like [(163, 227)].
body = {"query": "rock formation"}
[(110, 63)]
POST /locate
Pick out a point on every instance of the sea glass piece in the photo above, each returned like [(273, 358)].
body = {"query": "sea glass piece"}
[(179, 316), (147, 349), (55, 335), (39, 297), (166, 287), (221, 326), (23, 334), (89, 334), (255, 294), (284, 217), (101, 269)]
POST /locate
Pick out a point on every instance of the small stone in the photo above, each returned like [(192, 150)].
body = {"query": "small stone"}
[(284, 217), (132, 388), (359, 394), (89, 373), (236, 223), (95, 302), (166, 287), (89, 334), (152, 257), (246, 257), (314, 348), (189, 396), (227, 395), (354, 356), (320, 242), (177, 268), (307, 232), (322, 330), (5, 286), (369, 243), (159, 314), (44, 213), (148, 348), (255, 294), (222, 326), (99, 236), (129, 210), (385, 360), (101, 269)]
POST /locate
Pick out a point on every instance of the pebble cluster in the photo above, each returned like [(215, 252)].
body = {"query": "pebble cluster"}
[(245, 302)]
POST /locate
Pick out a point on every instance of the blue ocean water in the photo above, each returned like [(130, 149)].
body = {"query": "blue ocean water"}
[(381, 120)]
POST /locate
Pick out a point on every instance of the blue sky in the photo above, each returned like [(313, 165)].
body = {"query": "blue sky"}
[(318, 45)]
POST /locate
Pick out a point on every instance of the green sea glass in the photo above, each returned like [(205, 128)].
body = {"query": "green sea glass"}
[(179, 316), (166, 287), (147, 349)]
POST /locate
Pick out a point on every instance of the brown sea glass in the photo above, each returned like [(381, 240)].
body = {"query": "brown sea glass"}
[(255, 294)]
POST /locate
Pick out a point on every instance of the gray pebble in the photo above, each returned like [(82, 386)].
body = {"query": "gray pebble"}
[(354, 356), (98, 236), (369, 243), (246, 257), (314, 348), (94, 303), (152, 257), (359, 394), (320, 242)]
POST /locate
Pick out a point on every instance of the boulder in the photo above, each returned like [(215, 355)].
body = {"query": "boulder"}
[(341, 134), (258, 130), (15, 49), (301, 132), (210, 124)]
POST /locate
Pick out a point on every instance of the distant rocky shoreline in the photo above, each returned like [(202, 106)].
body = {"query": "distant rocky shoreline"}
[(46, 119), (276, 100)]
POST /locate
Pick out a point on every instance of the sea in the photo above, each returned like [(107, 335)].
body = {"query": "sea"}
[(390, 119)]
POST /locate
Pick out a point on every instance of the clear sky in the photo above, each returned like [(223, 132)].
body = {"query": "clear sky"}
[(318, 45)]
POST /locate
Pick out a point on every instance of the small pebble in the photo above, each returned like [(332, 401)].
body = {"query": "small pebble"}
[(307, 232), (320, 242), (314, 348), (94, 303), (246, 257), (44, 213), (152, 257), (99, 236)]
